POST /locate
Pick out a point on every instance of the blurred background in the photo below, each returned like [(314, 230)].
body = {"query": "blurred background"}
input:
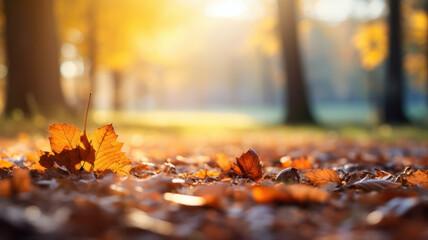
[(215, 61)]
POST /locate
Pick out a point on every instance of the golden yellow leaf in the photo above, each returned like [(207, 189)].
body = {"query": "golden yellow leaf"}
[(64, 137), (5, 164), (108, 154), (205, 173)]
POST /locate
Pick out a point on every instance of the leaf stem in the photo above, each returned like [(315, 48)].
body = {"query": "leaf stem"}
[(87, 110)]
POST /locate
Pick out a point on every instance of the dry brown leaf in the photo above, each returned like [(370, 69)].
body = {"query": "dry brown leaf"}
[(248, 166), (419, 178), (108, 154), (374, 184), (321, 177)]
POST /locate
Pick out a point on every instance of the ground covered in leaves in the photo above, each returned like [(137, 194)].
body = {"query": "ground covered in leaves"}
[(242, 185)]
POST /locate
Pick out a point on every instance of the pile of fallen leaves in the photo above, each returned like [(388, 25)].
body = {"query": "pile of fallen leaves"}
[(87, 187)]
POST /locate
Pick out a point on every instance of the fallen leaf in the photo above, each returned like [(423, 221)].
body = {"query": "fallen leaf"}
[(204, 174), (223, 162), (70, 159), (419, 178), (5, 164), (108, 154), (368, 185), (302, 163), (298, 163), (248, 166), (76, 150), (86, 153), (64, 137), (321, 177), (288, 175), (289, 193)]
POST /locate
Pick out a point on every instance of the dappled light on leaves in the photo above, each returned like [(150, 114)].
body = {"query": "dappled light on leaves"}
[(187, 188)]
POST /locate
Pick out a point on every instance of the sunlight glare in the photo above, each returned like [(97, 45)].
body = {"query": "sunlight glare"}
[(336, 11), (226, 9), (71, 69)]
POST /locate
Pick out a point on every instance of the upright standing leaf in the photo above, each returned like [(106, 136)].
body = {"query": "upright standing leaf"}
[(64, 137), (87, 153), (248, 166), (108, 154), (65, 145)]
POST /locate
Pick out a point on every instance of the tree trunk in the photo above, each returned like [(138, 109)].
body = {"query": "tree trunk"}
[(297, 99), (393, 109), (32, 54)]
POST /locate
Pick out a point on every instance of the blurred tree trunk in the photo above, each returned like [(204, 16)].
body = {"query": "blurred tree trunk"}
[(426, 53), (393, 109), (296, 91), (32, 54)]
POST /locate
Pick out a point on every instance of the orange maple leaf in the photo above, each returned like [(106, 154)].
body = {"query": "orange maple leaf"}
[(248, 166), (76, 150), (64, 137)]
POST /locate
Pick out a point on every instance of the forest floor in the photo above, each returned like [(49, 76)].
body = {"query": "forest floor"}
[(186, 183)]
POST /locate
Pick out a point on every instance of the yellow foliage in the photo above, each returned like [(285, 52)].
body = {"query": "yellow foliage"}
[(415, 64), (417, 23), (265, 35), (120, 27), (371, 41)]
